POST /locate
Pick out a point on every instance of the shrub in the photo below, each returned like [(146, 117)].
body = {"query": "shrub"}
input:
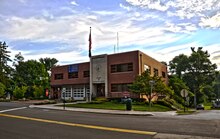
[(19, 92), (138, 99), (115, 100), (38, 92)]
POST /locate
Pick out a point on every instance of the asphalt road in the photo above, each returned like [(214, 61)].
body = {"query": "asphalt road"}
[(28, 123)]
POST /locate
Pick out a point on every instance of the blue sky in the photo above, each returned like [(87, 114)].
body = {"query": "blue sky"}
[(59, 29)]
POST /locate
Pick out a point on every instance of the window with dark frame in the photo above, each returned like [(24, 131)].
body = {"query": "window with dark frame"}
[(163, 74), (58, 76), (86, 73), (122, 67), (156, 72), (119, 87), (72, 75)]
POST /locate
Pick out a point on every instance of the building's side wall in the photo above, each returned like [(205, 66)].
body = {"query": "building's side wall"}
[(147, 61)]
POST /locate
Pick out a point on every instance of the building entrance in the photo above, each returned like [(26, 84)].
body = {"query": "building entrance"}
[(100, 90)]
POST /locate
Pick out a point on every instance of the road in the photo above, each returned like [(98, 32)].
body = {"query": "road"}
[(26, 123)]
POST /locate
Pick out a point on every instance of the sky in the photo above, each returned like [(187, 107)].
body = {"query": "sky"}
[(59, 29)]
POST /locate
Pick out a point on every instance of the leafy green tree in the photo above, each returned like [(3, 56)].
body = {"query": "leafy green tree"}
[(19, 92), (38, 91), (2, 90), (196, 70), (177, 85), (144, 83), (179, 64), (201, 72), (30, 73), (216, 85), (48, 63)]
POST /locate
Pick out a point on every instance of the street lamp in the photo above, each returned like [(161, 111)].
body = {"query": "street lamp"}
[(151, 83)]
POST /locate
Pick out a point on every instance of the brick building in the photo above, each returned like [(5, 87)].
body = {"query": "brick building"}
[(104, 76)]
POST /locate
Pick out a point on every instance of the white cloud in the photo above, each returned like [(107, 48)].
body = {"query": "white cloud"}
[(106, 13), (213, 21), (181, 8), (23, 1), (124, 7), (74, 3), (180, 28), (151, 4), (62, 57)]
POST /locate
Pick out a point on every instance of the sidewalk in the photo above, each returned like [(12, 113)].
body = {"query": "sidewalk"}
[(119, 112)]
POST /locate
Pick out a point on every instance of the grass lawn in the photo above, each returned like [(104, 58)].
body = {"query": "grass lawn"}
[(186, 112), (118, 106)]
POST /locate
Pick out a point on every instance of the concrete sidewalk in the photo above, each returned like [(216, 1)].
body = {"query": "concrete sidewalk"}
[(119, 112)]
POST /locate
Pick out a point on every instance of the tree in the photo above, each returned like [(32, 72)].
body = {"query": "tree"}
[(144, 83), (179, 64), (2, 90), (30, 73), (48, 63), (197, 70), (5, 69), (177, 85), (18, 59), (216, 86), (201, 70)]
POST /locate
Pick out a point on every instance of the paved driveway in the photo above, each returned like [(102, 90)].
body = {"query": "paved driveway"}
[(200, 115), (203, 115)]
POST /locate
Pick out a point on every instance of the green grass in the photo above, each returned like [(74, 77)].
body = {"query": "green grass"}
[(186, 112), (119, 106), (207, 107)]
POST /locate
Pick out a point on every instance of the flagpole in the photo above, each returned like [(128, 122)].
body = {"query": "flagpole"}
[(90, 66)]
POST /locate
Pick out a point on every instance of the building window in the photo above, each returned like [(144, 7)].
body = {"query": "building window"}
[(147, 68), (72, 75), (58, 76), (119, 87), (122, 67), (155, 72), (86, 73), (163, 74)]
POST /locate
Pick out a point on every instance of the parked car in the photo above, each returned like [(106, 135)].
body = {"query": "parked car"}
[(200, 107), (216, 104)]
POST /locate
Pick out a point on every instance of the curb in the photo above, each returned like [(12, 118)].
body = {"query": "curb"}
[(116, 112), (176, 136)]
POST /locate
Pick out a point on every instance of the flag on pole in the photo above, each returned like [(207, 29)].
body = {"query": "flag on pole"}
[(90, 43)]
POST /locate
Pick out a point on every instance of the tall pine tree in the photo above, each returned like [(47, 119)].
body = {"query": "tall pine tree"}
[(4, 67)]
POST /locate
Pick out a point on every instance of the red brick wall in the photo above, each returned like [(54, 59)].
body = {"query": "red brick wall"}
[(122, 77), (64, 69)]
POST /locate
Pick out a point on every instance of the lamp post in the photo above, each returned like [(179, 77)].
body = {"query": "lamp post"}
[(151, 83), (64, 97)]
